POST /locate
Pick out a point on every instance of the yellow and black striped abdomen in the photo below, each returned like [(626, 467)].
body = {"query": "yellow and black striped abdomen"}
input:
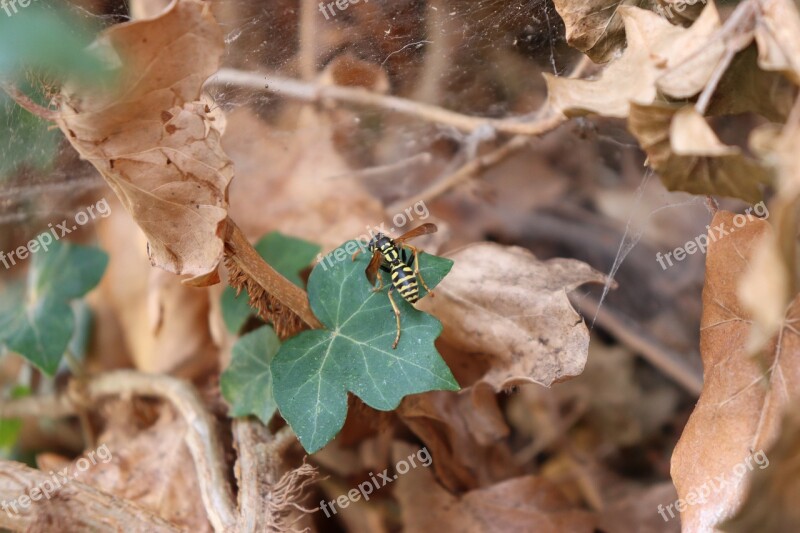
[(405, 281)]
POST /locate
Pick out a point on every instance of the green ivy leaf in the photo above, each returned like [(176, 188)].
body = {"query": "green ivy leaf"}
[(287, 255), (38, 322), (313, 371), (247, 383)]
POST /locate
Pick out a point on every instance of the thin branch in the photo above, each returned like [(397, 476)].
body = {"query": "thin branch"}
[(737, 34), (201, 438), (76, 506), (629, 334), (477, 165), (26, 103), (308, 41), (473, 168), (312, 92)]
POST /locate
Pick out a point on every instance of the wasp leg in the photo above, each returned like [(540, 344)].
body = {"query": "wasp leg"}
[(415, 252), (396, 317), (380, 280), (356, 254)]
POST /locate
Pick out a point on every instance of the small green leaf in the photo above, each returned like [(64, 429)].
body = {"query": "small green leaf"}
[(247, 383), (287, 255), (313, 371), (38, 322)]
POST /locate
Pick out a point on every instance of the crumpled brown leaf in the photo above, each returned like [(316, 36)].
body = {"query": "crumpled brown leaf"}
[(503, 302), (466, 432), (155, 141), (654, 47), (689, 157), (595, 27), (744, 395), (524, 504)]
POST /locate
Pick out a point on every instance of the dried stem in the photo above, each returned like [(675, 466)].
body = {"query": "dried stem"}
[(76, 506), (312, 92), (244, 257), (201, 438), (26, 103), (264, 500), (472, 168), (477, 165)]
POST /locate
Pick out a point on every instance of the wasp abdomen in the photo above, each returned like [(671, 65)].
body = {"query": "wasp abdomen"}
[(405, 281)]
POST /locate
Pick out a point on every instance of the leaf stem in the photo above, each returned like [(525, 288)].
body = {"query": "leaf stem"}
[(247, 259)]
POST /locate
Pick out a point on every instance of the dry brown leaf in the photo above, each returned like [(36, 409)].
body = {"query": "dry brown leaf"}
[(688, 156), (744, 396), (654, 47), (162, 324), (777, 34), (771, 504), (691, 68), (153, 139), (595, 27), (524, 504), (503, 302), (465, 432)]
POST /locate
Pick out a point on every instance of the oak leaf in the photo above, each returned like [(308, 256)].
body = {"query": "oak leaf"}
[(654, 47)]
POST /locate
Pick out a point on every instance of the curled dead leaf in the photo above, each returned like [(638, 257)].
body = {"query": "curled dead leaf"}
[(503, 302), (688, 156), (595, 27), (654, 47), (744, 395), (155, 141)]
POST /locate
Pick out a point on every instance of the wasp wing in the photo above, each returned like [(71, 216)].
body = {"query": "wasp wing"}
[(374, 265), (424, 229)]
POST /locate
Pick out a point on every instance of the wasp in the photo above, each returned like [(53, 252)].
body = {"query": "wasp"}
[(392, 256)]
